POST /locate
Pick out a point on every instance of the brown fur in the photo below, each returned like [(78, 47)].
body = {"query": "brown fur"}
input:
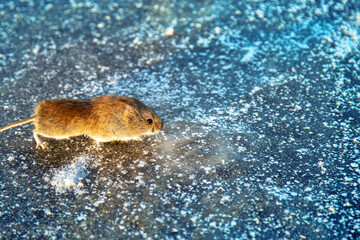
[(104, 118)]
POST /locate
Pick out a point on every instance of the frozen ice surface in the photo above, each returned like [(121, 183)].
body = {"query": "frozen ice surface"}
[(260, 101)]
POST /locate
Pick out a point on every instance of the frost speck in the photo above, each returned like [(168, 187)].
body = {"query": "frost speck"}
[(354, 165), (250, 55), (344, 47), (11, 157)]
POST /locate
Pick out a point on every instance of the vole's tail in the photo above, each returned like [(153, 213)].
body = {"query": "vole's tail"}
[(19, 123)]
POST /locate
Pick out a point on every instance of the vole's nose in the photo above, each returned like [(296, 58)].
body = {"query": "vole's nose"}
[(158, 126)]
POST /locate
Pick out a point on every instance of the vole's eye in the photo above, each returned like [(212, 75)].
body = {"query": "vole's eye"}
[(149, 121)]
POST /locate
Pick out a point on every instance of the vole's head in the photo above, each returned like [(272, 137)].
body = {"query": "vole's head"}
[(140, 119)]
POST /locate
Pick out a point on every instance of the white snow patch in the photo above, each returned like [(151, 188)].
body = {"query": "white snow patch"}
[(70, 176)]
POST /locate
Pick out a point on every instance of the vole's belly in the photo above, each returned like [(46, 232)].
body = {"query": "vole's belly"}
[(104, 138), (58, 131), (58, 135)]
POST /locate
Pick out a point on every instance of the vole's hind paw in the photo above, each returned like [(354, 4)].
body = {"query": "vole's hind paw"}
[(39, 142), (43, 145)]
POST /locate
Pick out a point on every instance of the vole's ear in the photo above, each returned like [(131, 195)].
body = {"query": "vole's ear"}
[(123, 108)]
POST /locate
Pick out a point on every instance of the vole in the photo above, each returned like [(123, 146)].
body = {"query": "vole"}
[(103, 118)]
